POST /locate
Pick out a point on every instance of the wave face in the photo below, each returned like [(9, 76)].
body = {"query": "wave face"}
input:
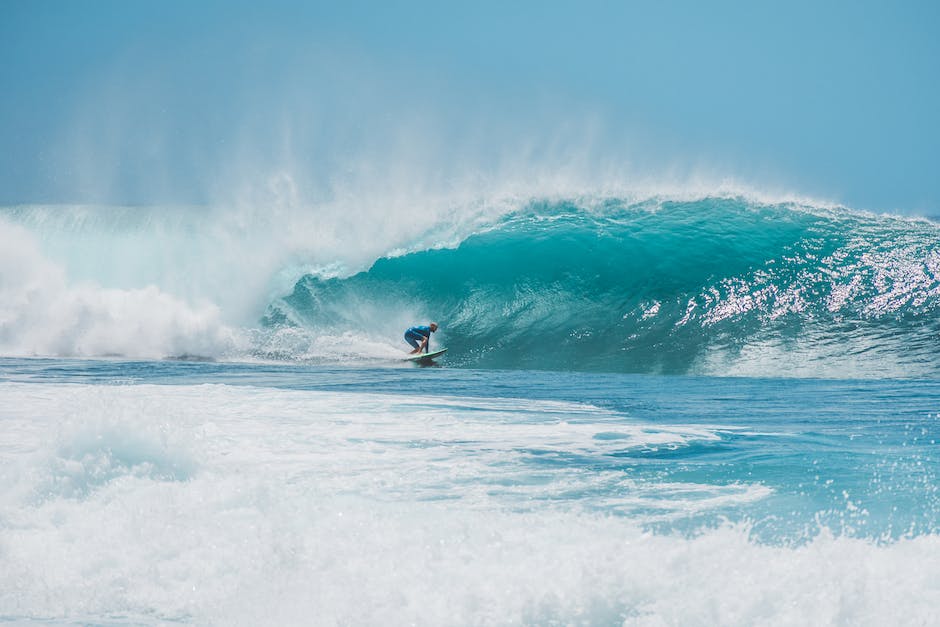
[(710, 286)]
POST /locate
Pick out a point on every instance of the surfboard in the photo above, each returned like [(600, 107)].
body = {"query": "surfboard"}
[(426, 357)]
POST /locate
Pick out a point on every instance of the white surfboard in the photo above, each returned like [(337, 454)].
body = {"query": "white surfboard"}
[(426, 357)]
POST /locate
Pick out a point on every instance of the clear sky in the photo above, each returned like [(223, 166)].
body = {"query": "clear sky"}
[(149, 102)]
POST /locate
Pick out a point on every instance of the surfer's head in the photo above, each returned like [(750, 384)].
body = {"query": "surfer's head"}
[(433, 326)]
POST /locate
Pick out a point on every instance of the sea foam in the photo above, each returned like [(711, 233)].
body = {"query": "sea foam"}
[(218, 504)]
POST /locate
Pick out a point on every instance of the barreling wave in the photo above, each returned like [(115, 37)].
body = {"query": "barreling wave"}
[(710, 286), (717, 285)]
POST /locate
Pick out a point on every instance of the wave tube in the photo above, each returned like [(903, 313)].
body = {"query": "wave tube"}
[(711, 286)]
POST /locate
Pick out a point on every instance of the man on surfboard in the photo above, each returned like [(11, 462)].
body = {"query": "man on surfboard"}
[(420, 337)]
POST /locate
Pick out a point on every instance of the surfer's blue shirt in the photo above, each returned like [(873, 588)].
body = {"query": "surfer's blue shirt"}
[(415, 335), (424, 331)]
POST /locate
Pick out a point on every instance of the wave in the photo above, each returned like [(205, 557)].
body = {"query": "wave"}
[(712, 286), (727, 284)]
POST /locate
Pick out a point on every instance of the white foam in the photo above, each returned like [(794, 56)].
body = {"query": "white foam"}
[(42, 313), (220, 505)]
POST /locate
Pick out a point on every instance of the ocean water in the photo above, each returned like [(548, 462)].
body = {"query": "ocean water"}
[(654, 411)]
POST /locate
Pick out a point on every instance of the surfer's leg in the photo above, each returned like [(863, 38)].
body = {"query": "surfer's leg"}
[(413, 340)]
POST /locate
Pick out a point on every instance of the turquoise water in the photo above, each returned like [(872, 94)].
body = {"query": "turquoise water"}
[(712, 286), (697, 411)]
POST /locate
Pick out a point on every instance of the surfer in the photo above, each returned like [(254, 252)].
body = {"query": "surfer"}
[(420, 337)]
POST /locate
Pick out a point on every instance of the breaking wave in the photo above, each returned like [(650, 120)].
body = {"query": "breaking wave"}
[(712, 286), (708, 284)]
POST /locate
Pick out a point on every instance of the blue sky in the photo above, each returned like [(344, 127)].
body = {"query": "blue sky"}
[(149, 102)]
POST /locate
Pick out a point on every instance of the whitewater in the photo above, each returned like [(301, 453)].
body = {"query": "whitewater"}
[(656, 409)]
